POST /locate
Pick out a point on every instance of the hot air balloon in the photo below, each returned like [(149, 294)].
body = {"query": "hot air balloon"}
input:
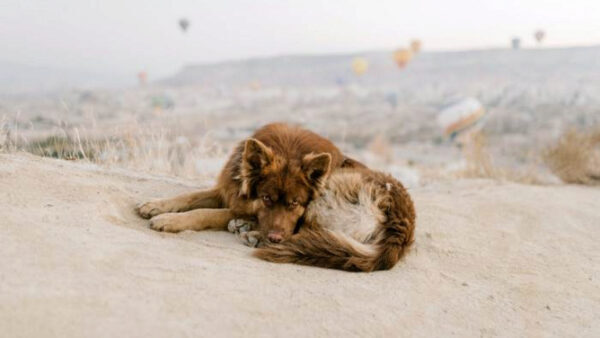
[(515, 43), (539, 35), (402, 57), (461, 116), (184, 24), (142, 77), (360, 65), (415, 46)]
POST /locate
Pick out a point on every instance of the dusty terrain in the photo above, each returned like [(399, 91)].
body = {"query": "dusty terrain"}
[(490, 259), (530, 96)]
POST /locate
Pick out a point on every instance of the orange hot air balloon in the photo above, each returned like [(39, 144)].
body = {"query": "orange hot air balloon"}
[(402, 57), (360, 65), (142, 77), (415, 46)]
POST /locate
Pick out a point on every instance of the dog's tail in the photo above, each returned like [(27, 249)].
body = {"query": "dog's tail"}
[(329, 249)]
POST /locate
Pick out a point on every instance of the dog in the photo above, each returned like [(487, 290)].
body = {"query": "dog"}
[(299, 198), (271, 178), (363, 220)]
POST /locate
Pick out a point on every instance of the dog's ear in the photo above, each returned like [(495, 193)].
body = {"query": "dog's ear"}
[(255, 157), (256, 154), (316, 167)]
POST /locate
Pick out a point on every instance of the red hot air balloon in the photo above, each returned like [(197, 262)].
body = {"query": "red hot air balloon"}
[(539, 35)]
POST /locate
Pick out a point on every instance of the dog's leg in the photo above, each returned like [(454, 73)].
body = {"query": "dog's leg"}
[(239, 225), (252, 239), (199, 219), (200, 199), (244, 229)]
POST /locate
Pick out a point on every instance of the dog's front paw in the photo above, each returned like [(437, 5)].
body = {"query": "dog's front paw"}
[(252, 239), (239, 225), (150, 209), (170, 222)]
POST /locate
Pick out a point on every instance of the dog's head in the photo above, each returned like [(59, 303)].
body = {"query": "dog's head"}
[(281, 187)]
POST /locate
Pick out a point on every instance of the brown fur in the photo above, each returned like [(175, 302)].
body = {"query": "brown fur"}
[(292, 167), (325, 246), (271, 177)]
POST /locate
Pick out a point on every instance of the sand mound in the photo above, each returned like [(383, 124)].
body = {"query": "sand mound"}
[(490, 259)]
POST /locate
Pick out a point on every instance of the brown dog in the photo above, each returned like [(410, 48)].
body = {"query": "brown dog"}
[(362, 221), (270, 177)]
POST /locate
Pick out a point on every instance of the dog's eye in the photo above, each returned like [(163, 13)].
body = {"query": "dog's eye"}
[(266, 200)]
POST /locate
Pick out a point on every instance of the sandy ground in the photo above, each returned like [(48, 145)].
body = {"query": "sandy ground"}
[(490, 259)]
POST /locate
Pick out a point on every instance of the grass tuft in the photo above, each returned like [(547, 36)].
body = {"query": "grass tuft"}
[(480, 164), (575, 158)]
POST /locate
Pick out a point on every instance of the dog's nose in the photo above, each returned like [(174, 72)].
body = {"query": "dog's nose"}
[(275, 236)]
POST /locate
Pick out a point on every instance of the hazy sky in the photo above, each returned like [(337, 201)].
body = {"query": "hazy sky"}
[(123, 36)]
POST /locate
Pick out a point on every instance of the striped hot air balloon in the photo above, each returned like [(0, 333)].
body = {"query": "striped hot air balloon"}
[(460, 116)]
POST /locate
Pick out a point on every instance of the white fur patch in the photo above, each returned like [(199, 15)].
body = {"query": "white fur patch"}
[(365, 249), (335, 210)]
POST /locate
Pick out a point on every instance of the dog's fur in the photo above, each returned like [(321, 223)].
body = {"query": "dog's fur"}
[(363, 221), (322, 208), (271, 177)]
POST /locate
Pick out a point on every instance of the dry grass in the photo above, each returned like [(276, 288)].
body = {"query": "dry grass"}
[(575, 158), (478, 159), (7, 136), (62, 147), (480, 164), (381, 147), (133, 147)]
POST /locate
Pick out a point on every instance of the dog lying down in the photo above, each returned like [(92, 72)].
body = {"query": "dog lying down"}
[(313, 204), (363, 220)]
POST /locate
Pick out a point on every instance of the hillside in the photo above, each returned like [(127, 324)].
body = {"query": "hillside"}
[(490, 259), (445, 69)]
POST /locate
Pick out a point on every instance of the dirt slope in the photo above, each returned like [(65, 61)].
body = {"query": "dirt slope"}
[(490, 259)]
